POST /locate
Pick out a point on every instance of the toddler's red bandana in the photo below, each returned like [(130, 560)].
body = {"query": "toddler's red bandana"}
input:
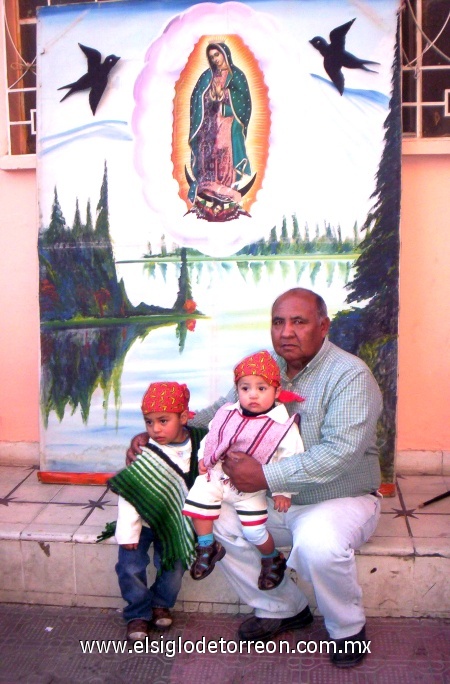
[(166, 397)]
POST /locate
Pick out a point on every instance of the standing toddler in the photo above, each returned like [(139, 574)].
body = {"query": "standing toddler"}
[(151, 494)]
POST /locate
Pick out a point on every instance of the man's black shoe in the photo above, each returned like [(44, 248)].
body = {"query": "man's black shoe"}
[(351, 650), (261, 629)]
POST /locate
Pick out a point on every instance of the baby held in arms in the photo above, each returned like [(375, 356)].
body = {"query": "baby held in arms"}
[(259, 425)]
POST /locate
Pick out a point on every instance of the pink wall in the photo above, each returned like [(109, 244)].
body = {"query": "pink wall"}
[(424, 357), (424, 354), (19, 330)]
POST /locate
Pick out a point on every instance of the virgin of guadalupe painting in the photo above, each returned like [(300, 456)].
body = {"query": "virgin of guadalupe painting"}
[(220, 112), (223, 113)]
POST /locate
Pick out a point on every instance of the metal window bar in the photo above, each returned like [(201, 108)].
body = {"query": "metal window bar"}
[(419, 76)]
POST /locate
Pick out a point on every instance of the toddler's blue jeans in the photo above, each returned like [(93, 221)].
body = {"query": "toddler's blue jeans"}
[(131, 571)]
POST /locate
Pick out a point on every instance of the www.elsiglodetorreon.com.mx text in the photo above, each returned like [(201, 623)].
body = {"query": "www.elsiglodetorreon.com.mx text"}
[(173, 647)]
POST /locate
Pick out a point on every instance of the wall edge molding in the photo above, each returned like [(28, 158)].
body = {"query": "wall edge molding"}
[(19, 453), (425, 462)]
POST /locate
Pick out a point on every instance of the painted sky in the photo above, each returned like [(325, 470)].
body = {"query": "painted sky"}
[(324, 148)]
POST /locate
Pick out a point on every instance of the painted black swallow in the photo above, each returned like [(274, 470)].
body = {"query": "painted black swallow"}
[(335, 56), (96, 78)]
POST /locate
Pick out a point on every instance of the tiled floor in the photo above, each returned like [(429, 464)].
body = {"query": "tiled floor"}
[(29, 510), (41, 645)]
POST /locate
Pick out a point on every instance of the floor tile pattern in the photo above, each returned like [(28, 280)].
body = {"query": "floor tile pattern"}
[(31, 510)]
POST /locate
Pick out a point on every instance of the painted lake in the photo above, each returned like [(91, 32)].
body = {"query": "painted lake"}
[(94, 378)]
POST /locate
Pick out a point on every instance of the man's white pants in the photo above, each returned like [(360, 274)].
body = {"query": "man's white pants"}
[(323, 537)]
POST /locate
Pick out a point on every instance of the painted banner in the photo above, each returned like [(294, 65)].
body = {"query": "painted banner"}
[(194, 162)]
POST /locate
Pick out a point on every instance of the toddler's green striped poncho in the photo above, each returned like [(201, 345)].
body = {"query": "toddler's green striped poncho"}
[(157, 488)]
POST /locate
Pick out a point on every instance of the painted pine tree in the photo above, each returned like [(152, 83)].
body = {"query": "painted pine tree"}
[(371, 331)]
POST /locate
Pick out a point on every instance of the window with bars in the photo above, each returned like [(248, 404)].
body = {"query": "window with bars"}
[(20, 44), (426, 68), (425, 35)]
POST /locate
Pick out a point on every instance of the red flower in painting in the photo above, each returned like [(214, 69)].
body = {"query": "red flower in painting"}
[(190, 324), (189, 305)]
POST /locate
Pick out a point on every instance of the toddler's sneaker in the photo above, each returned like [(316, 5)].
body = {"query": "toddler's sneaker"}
[(137, 629), (162, 617)]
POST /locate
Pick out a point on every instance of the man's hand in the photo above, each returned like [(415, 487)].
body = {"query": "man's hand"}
[(130, 547), (245, 473), (134, 450), (202, 469)]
